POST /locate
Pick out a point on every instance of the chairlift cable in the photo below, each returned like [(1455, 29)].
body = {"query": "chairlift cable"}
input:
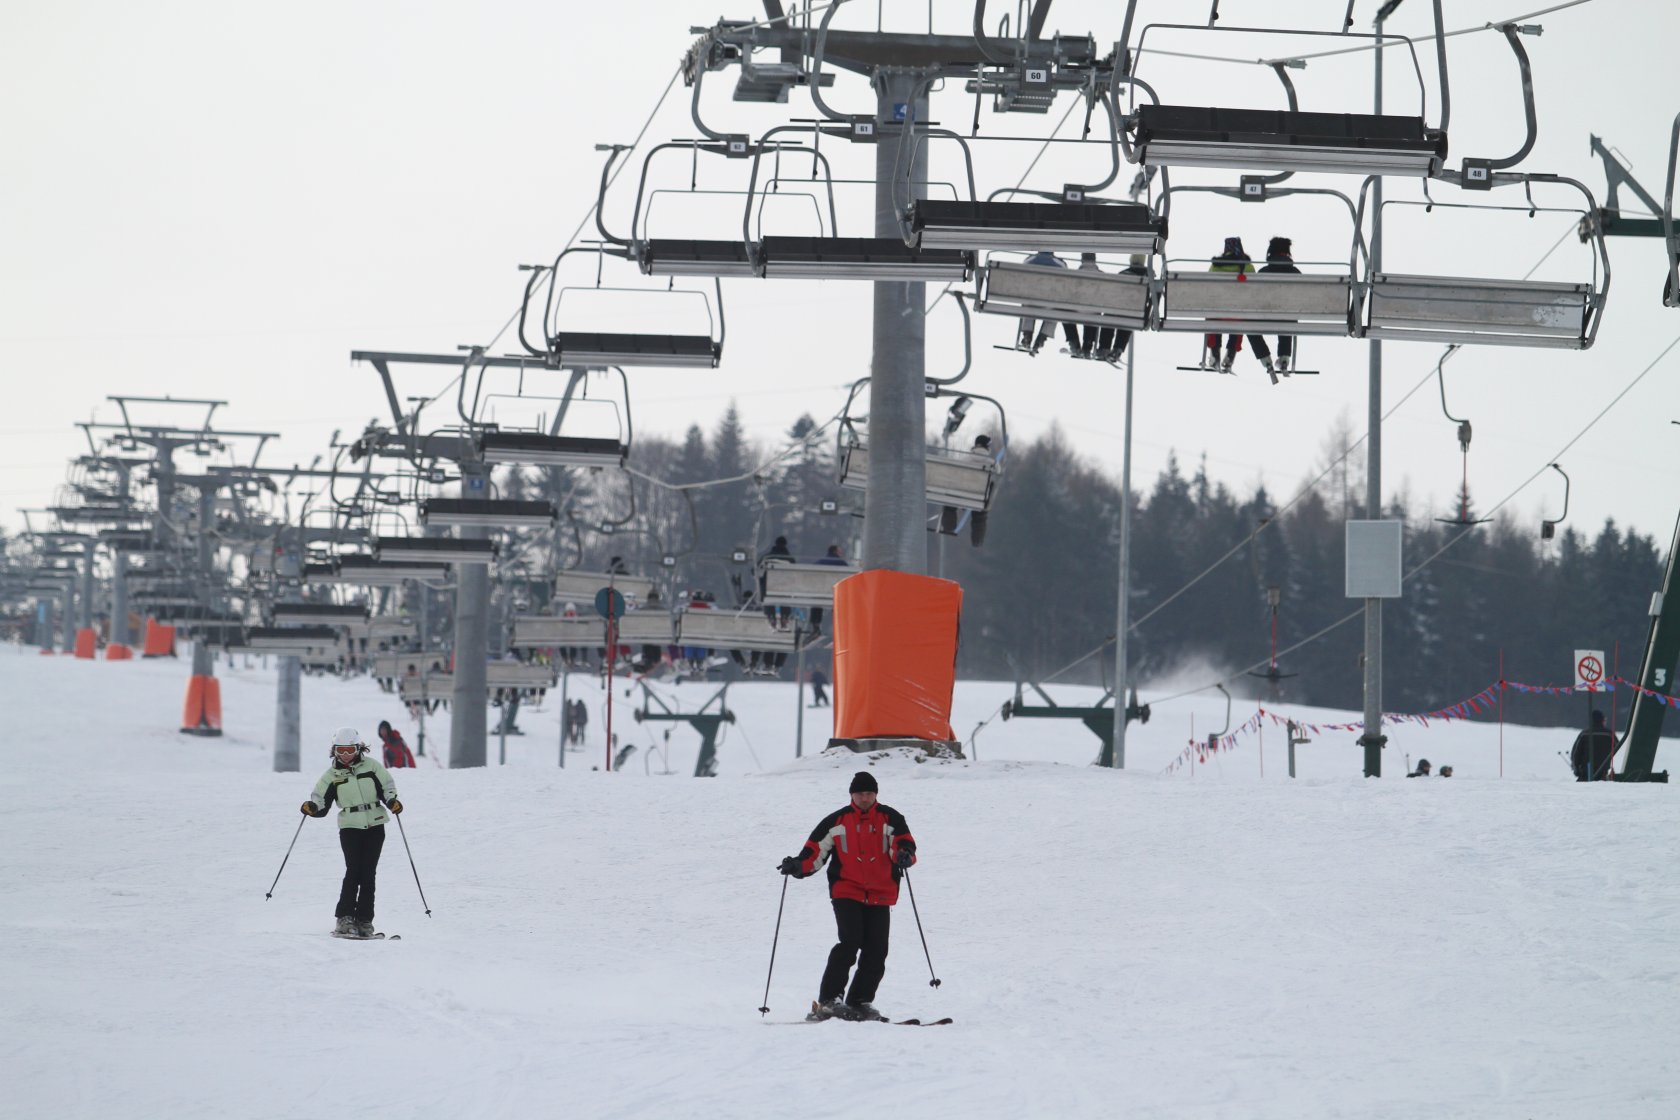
[(1506, 500), (1451, 352), (1491, 25)]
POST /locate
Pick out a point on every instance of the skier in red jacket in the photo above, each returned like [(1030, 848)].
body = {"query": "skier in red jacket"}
[(868, 847), (396, 751)]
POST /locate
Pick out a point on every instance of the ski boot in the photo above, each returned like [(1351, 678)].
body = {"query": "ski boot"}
[(826, 1009), (364, 928), (864, 1013), (346, 927), (1271, 371), (1210, 360), (1230, 360)]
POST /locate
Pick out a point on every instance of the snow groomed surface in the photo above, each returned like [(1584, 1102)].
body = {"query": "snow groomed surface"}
[(1110, 944)]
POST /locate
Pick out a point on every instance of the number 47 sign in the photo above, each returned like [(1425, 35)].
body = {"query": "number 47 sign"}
[(1589, 670)]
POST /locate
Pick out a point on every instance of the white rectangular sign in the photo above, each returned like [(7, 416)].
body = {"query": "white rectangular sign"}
[(1589, 670)]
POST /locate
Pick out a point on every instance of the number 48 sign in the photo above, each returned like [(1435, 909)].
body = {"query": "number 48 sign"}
[(1589, 670)]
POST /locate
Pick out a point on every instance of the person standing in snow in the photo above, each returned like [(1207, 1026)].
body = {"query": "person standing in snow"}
[(1422, 770), (868, 848), (1593, 751), (396, 751), (364, 790)]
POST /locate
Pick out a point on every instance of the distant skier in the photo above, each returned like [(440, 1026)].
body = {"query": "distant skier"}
[(1422, 770), (819, 681), (397, 753), (363, 790), (1593, 751), (868, 847)]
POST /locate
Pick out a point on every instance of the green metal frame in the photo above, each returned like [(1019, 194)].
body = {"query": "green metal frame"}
[(1099, 717)]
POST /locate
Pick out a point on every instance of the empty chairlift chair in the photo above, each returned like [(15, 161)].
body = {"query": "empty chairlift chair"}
[(681, 257), (551, 451), (859, 258), (1032, 227), (1283, 140), (495, 513), (1472, 310)]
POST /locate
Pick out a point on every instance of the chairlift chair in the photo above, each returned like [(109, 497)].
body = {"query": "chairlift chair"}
[(540, 631), (437, 550), (1471, 310), (495, 513), (540, 450), (1032, 227), (316, 614), (291, 639), (575, 349), (1158, 135), (581, 586), (747, 629), (371, 571), (859, 258), (791, 584), (1069, 295)]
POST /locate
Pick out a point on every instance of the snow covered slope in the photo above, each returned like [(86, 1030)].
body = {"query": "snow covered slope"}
[(1110, 944)]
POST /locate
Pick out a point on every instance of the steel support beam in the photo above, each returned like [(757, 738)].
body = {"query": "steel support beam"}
[(469, 703)]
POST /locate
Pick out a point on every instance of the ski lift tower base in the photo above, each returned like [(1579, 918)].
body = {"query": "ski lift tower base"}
[(930, 748)]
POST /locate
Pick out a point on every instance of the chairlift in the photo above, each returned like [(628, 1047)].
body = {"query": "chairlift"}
[(291, 639), (1548, 526), (962, 479), (1273, 674), (381, 628), (746, 629), (556, 447), (540, 450), (788, 583), (582, 586), (437, 550), (1069, 295), (1463, 520), (541, 631), (493, 513), (372, 571), (694, 257), (1032, 227), (1287, 140), (579, 349), (1466, 310), (316, 614)]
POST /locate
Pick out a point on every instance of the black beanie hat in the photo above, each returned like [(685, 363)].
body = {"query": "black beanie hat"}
[(863, 782)]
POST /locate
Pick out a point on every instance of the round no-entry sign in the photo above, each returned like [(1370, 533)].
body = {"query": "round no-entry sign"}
[(1589, 668)]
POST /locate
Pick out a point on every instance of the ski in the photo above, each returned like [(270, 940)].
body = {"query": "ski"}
[(375, 937), (917, 1022)]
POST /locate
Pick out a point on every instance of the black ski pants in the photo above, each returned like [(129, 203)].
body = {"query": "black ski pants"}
[(361, 862), (863, 930)]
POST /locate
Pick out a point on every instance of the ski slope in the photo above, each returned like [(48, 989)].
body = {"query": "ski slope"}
[(1110, 943)]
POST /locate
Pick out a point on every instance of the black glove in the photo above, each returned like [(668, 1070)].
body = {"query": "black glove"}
[(789, 866), (394, 805), (906, 856), (310, 809)]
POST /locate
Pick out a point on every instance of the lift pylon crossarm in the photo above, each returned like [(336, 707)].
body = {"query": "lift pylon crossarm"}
[(706, 723)]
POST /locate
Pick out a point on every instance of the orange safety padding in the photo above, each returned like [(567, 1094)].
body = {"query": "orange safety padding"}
[(895, 655), (86, 643), (194, 708), (116, 651), (160, 640), (212, 703), (46, 653)]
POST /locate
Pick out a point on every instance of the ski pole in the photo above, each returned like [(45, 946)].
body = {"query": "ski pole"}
[(765, 1010), (933, 983), (289, 848), (411, 866)]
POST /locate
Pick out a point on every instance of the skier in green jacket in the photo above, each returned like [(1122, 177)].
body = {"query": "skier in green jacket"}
[(1235, 260), (364, 791)]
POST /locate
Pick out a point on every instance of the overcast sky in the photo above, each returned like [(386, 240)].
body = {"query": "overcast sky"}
[(216, 200)]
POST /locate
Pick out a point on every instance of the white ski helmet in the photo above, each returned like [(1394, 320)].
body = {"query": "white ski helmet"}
[(347, 737)]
